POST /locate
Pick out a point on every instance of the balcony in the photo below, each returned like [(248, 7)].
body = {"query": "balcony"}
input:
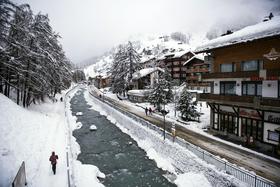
[(192, 78), (270, 74), (243, 101), (238, 74), (197, 70)]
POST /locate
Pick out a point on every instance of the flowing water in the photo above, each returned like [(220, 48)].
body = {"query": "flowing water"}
[(112, 151)]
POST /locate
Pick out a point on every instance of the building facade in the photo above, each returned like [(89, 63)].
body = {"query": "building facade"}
[(195, 68), (174, 63), (245, 84)]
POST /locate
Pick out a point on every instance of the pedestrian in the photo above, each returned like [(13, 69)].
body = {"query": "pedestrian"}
[(150, 110), (146, 111), (53, 160)]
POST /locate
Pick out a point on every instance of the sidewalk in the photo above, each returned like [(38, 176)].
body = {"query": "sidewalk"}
[(263, 166)]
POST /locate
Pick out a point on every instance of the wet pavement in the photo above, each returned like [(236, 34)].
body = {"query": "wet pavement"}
[(112, 151)]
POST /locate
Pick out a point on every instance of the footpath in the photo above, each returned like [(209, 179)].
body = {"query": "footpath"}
[(261, 165)]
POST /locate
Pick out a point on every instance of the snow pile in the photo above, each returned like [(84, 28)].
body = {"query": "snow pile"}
[(93, 128), (260, 30), (79, 114), (192, 180), (86, 175), (162, 162)]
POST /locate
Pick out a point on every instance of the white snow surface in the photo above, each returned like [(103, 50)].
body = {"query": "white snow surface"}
[(144, 72), (31, 135), (79, 114), (249, 33), (192, 180)]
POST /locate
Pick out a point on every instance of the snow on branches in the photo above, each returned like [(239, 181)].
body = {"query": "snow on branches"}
[(33, 63), (187, 106), (125, 63)]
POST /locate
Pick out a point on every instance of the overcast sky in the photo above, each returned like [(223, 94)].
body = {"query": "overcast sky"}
[(91, 27)]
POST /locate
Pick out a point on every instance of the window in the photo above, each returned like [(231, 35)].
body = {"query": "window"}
[(228, 88), (252, 88), (251, 65), (228, 67), (273, 136)]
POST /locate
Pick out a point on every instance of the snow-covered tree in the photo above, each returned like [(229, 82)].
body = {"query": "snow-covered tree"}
[(162, 93), (187, 106), (33, 62), (125, 63)]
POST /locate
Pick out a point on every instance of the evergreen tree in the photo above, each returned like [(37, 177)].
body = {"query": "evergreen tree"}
[(125, 63), (33, 62), (162, 93), (187, 106)]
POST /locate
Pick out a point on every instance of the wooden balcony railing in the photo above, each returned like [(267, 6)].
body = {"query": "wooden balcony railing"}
[(270, 74), (197, 70), (192, 78), (238, 74), (249, 101)]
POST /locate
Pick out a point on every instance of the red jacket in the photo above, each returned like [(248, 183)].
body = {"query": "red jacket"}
[(53, 159)]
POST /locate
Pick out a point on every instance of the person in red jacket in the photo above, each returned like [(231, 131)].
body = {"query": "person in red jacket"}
[(53, 160)]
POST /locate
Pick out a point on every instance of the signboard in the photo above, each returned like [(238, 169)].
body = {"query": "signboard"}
[(272, 117), (249, 113), (272, 55)]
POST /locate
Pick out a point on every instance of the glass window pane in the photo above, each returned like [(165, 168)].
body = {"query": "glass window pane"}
[(251, 65), (251, 89), (259, 89), (222, 88), (226, 67), (230, 88), (244, 89), (260, 64), (227, 88)]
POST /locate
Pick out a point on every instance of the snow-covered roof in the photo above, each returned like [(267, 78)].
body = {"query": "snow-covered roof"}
[(250, 33), (176, 54), (200, 57), (144, 72), (139, 92)]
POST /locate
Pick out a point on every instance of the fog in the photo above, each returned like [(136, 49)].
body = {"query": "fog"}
[(91, 27)]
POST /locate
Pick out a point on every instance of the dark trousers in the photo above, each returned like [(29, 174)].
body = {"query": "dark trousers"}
[(54, 168)]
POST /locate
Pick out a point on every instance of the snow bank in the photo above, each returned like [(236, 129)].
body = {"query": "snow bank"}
[(192, 180), (31, 135), (86, 175)]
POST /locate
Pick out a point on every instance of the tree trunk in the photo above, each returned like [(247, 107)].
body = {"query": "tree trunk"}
[(18, 91)]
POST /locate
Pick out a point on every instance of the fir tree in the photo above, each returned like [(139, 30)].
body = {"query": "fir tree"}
[(162, 93), (125, 63), (187, 106)]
